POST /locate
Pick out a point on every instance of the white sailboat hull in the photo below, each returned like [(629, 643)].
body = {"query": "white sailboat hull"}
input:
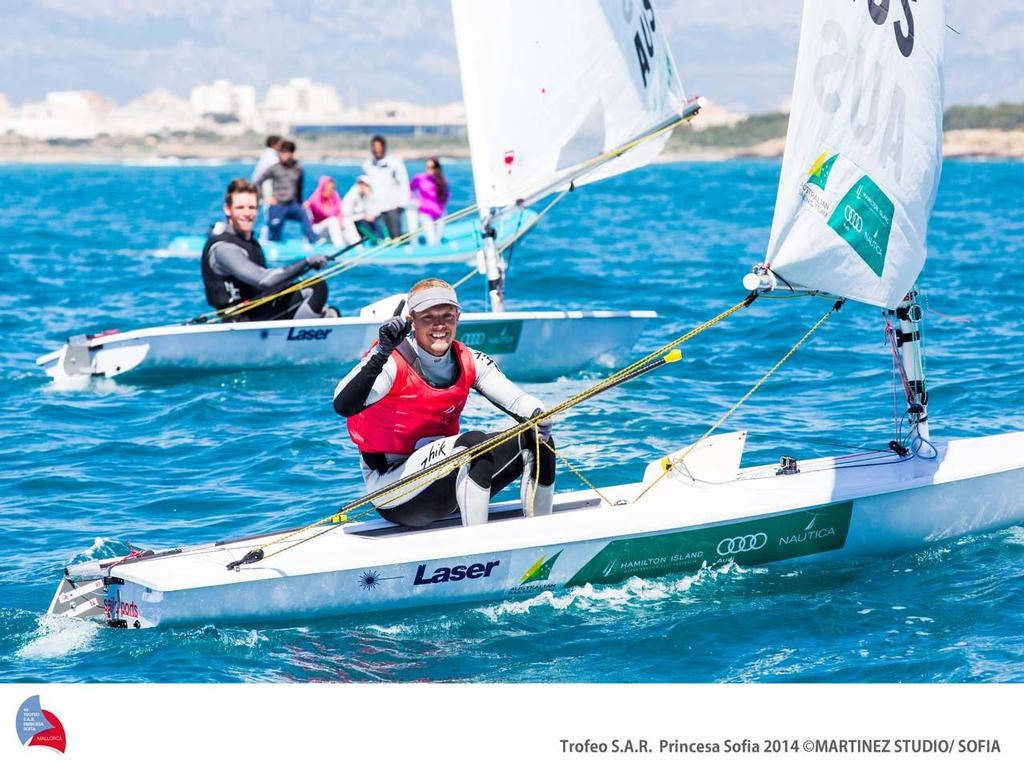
[(528, 344), (835, 508)]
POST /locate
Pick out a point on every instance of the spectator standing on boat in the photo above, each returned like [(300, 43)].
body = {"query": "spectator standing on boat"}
[(235, 269), (430, 194), (285, 200), (268, 158), (359, 213), (403, 402), (390, 182), (324, 209)]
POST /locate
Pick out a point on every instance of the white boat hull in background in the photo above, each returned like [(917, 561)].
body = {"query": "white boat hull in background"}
[(860, 506), (527, 345)]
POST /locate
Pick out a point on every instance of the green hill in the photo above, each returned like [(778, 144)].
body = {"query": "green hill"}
[(764, 127)]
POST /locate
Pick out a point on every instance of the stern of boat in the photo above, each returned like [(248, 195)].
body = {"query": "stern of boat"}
[(87, 356), (87, 591)]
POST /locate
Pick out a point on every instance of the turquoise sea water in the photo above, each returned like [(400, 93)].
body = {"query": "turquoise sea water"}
[(202, 458)]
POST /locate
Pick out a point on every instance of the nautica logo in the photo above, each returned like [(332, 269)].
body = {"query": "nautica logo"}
[(746, 543), (807, 535)]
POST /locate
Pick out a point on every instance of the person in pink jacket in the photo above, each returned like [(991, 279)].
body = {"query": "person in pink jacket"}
[(430, 193), (324, 208)]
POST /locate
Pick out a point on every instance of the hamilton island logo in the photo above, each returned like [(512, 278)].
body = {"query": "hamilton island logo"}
[(39, 727)]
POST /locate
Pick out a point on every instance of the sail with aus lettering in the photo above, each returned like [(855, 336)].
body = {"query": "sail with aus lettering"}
[(863, 152), (552, 87)]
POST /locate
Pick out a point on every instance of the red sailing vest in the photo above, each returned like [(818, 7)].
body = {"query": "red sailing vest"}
[(413, 409)]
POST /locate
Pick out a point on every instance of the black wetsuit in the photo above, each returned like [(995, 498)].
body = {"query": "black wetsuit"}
[(234, 271)]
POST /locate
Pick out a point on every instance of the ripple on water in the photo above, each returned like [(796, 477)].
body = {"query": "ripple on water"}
[(190, 458)]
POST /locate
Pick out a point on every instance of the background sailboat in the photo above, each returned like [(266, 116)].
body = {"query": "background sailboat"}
[(590, 93)]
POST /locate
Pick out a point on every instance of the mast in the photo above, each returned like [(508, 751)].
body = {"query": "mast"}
[(494, 265), (911, 352)]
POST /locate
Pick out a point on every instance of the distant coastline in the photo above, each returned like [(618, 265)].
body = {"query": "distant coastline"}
[(971, 132)]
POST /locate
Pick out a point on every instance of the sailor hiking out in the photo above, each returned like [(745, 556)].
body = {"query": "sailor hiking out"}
[(235, 268), (403, 403)]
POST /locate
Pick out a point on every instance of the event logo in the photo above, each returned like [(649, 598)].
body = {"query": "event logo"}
[(39, 727), (746, 543)]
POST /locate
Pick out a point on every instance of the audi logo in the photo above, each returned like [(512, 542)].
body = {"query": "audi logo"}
[(746, 543), (854, 219)]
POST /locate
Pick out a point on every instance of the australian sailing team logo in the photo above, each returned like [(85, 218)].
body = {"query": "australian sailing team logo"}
[(540, 570), (536, 577), (39, 727)]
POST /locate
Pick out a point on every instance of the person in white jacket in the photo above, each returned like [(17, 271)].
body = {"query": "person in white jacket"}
[(390, 182), (268, 158), (359, 213)]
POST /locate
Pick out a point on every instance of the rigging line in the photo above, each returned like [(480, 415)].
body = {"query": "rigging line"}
[(651, 361), (327, 273), (578, 473), (594, 163), (472, 272), (521, 232), (675, 462)]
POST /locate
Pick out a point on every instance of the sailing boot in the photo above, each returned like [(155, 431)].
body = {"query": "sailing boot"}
[(536, 498), (474, 500)]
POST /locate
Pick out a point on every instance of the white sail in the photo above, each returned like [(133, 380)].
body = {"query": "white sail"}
[(551, 85), (864, 149)]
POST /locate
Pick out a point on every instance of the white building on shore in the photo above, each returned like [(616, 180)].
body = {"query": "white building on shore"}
[(224, 108)]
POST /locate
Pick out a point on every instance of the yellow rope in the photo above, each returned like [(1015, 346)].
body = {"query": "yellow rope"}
[(674, 463), (394, 492)]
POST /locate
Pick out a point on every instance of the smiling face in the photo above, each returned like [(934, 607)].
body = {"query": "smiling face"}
[(241, 212), (435, 328)]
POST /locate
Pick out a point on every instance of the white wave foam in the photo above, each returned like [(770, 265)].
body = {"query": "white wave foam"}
[(1015, 536), (102, 547), (98, 544), (388, 629), (245, 639), (58, 636), (630, 592)]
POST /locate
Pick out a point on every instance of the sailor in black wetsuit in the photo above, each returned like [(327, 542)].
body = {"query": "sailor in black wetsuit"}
[(235, 269)]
